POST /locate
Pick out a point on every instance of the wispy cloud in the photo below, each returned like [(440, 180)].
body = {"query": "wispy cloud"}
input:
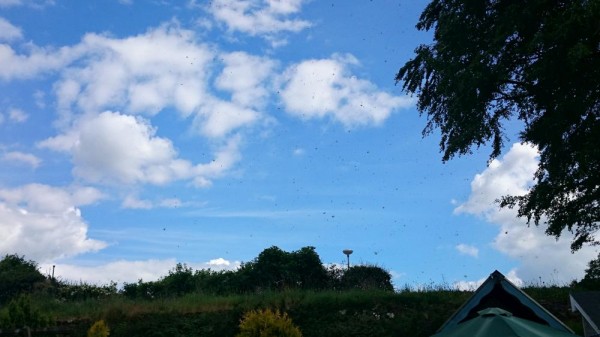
[(36, 4), (467, 250), (16, 157), (9, 32)]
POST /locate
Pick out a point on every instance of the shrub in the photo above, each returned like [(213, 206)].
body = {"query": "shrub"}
[(267, 323), (367, 278), (99, 329), (66, 291), (17, 276), (21, 314)]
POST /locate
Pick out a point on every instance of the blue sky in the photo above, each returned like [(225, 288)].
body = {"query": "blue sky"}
[(138, 134)]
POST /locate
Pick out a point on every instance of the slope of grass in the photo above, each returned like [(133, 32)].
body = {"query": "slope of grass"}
[(407, 312)]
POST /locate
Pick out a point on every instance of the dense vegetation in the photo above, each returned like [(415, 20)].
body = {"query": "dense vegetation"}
[(321, 302), (494, 62)]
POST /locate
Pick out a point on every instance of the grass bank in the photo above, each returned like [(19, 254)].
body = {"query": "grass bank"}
[(316, 313)]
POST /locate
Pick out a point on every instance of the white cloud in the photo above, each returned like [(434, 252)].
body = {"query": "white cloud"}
[(17, 115), (259, 17), (113, 148), (130, 74), (37, 61), (133, 202), (17, 157), (9, 32), (37, 4), (540, 255), (9, 3), (219, 118), (299, 152), (467, 250), (39, 98), (44, 222), (473, 285), (170, 203), (130, 271), (245, 76), (326, 88)]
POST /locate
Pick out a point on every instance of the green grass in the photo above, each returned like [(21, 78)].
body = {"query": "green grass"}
[(415, 312)]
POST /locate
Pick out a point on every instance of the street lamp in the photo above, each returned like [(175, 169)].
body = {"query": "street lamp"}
[(348, 252)]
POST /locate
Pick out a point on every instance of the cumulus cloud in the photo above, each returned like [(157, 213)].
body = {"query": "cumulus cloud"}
[(114, 148), (9, 32), (245, 75), (259, 17), (539, 255), (130, 271), (44, 222), (326, 88), (467, 250), (131, 74), (20, 158)]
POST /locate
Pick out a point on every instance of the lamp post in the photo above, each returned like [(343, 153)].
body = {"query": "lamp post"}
[(348, 252)]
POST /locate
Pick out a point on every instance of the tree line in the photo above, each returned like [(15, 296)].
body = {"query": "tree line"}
[(272, 270)]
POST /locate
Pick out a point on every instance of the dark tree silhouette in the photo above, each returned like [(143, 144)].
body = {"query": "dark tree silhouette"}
[(539, 61), (17, 275)]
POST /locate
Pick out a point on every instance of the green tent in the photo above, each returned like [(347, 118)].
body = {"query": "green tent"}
[(496, 322)]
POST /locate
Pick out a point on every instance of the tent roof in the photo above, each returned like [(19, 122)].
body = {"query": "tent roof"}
[(497, 291), (497, 322), (588, 305)]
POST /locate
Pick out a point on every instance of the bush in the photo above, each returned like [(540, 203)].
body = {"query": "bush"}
[(367, 278), (99, 329), (21, 314), (180, 281), (66, 291), (275, 269), (591, 281), (17, 276), (267, 323)]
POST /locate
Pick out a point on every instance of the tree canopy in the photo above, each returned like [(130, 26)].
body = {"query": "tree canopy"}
[(493, 61), (17, 275), (277, 269)]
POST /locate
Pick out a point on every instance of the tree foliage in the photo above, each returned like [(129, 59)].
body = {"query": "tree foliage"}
[(492, 61), (17, 275), (276, 269), (367, 278), (591, 280)]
